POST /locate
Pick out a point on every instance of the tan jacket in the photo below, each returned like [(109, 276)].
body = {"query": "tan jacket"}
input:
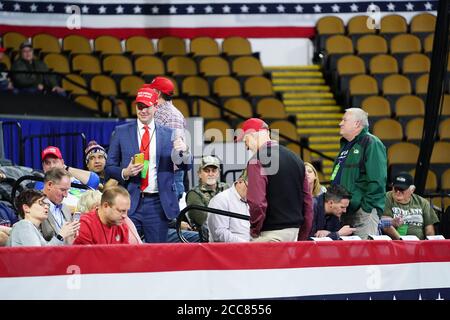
[(49, 226)]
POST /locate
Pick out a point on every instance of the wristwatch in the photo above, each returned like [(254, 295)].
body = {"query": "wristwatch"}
[(59, 237)]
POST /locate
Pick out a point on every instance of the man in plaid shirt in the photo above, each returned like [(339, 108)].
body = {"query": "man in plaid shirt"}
[(168, 115)]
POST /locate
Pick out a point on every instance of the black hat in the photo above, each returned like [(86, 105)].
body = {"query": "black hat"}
[(26, 44), (402, 181)]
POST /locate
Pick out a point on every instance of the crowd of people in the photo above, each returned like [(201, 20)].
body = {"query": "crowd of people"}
[(134, 188)]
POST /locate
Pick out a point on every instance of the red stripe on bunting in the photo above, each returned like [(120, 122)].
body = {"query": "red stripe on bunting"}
[(123, 33), (46, 261)]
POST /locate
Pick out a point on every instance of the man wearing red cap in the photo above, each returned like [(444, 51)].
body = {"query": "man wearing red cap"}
[(278, 194), (150, 184), (52, 158), (168, 115)]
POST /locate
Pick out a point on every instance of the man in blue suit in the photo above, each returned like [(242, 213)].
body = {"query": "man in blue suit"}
[(151, 183)]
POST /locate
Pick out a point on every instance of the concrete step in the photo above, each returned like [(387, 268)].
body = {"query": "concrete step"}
[(295, 95), (317, 123), (298, 81), (319, 116), (313, 67), (300, 109), (305, 131), (302, 88), (304, 102), (296, 74)]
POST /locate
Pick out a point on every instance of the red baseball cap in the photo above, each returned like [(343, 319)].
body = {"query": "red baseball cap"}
[(2, 49), (252, 125), (147, 96), (162, 84), (51, 150)]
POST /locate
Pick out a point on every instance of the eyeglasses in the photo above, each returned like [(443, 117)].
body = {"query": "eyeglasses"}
[(44, 202)]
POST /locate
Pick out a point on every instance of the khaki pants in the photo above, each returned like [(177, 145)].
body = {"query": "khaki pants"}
[(282, 235), (365, 223)]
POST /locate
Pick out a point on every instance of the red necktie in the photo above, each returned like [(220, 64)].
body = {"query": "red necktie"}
[(145, 149)]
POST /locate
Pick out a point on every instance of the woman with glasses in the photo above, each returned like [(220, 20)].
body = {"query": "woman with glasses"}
[(32, 206)]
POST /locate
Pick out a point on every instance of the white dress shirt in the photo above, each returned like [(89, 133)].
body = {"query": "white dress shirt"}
[(152, 181), (227, 229)]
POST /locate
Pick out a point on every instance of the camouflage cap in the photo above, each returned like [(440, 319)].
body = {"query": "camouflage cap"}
[(208, 161)]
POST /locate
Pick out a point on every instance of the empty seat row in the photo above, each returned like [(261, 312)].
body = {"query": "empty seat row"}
[(192, 85), (383, 64), (152, 65), (390, 25), (136, 45), (390, 130), (394, 23)]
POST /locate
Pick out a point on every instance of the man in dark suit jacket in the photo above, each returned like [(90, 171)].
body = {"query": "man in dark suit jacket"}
[(151, 185)]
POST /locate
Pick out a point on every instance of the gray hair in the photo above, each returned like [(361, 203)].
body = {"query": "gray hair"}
[(359, 115), (89, 200)]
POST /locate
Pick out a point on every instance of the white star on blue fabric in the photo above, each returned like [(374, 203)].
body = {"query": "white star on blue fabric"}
[(173, 10), (208, 9), (244, 8), (137, 9), (317, 8), (119, 9), (33, 7), (262, 8), (155, 9), (85, 9), (409, 6), (280, 8), (50, 8), (354, 8), (190, 9), (102, 10), (16, 7), (226, 9), (336, 8), (391, 6), (428, 6), (299, 8)]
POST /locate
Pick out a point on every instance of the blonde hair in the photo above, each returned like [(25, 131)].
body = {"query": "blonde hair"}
[(89, 200), (316, 185)]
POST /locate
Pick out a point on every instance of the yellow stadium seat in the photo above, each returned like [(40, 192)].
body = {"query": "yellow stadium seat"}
[(139, 45), (107, 45), (76, 44)]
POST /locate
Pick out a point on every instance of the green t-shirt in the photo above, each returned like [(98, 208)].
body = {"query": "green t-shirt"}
[(416, 214)]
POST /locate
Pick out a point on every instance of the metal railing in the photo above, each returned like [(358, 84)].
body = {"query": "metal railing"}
[(183, 212)]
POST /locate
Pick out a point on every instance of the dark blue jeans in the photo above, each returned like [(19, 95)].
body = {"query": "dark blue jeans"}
[(191, 236)]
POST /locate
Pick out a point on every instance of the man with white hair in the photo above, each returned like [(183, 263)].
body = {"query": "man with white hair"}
[(361, 167), (415, 214)]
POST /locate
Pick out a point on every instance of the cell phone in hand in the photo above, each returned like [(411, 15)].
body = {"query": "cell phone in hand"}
[(138, 158), (76, 216)]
